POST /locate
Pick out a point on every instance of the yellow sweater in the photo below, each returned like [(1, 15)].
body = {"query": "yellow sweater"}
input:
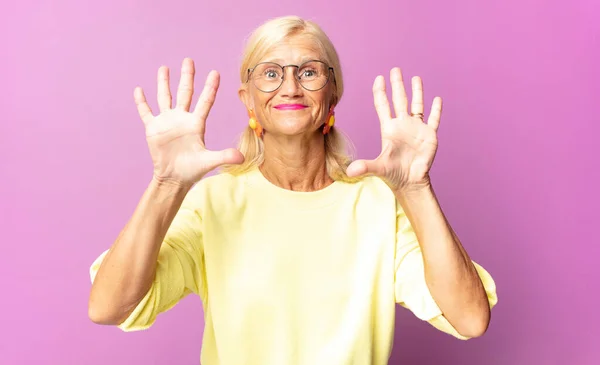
[(292, 277)]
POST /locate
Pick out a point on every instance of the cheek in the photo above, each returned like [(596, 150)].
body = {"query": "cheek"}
[(319, 114), (257, 98), (322, 103), (260, 101)]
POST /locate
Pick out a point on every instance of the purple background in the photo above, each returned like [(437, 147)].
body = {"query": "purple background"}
[(516, 172)]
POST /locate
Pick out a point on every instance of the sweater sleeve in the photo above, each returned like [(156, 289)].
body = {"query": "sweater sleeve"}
[(179, 271), (411, 289)]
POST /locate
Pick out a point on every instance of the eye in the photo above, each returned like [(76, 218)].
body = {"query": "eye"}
[(309, 73), (271, 73)]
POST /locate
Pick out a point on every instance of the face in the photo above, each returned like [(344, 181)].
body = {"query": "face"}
[(291, 109)]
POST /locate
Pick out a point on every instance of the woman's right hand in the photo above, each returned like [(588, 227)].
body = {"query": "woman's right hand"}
[(176, 136)]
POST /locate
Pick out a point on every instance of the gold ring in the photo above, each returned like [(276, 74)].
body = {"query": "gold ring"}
[(421, 115)]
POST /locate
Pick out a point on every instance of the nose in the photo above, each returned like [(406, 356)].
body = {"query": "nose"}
[(290, 86)]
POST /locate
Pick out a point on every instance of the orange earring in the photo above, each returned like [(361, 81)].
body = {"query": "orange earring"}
[(330, 121), (254, 124)]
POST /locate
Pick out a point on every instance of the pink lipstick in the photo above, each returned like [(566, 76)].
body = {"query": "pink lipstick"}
[(290, 106)]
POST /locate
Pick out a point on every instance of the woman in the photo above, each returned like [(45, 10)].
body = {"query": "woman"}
[(298, 254)]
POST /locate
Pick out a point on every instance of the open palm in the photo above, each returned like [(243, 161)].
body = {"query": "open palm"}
[(408, 145), (176, 136)]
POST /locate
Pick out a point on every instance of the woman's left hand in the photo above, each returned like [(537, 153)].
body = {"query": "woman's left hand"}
[(408, 143)]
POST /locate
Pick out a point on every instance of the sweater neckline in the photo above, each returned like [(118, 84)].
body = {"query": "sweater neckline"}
[(300, 199)]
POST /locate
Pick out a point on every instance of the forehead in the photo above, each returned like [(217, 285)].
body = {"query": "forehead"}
[(295, 50)]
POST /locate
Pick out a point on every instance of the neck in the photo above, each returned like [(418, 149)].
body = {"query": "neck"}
[(295, 163)]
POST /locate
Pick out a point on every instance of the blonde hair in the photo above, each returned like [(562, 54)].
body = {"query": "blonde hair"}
[(338, 148)]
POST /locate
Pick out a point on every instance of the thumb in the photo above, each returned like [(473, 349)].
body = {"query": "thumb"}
[(230, 156), (361, 167)]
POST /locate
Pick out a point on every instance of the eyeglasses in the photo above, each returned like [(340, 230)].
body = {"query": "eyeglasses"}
[(268, 76)]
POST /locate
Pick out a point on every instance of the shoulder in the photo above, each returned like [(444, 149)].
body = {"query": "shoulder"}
[(220, 179), (379, 191), (374, 186), (370, 191), (219, 187)]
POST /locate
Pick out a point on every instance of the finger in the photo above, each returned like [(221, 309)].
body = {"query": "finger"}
[(163, 89), (416, 106), (186, 85), (230, 156), (382, 105), (142, 106), (398, 93), (361, 167), (207, 97), (436, 113)]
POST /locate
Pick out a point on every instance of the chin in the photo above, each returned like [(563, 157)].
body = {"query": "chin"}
[(294, 126)]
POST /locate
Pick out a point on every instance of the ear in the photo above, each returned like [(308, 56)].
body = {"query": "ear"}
[(333, 100), (332, 105), (244, 96)]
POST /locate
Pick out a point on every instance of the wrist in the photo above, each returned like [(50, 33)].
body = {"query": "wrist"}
[(414, 191), (172, 185)]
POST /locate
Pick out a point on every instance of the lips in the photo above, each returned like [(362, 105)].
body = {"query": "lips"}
[(290, 106)]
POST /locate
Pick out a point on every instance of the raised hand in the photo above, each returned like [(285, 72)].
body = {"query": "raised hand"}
[(176, 136), (408, 145)]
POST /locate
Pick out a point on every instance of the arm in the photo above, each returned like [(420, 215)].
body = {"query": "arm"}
[(450, 275), (434, 263), (158, 257), (128, 268)]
